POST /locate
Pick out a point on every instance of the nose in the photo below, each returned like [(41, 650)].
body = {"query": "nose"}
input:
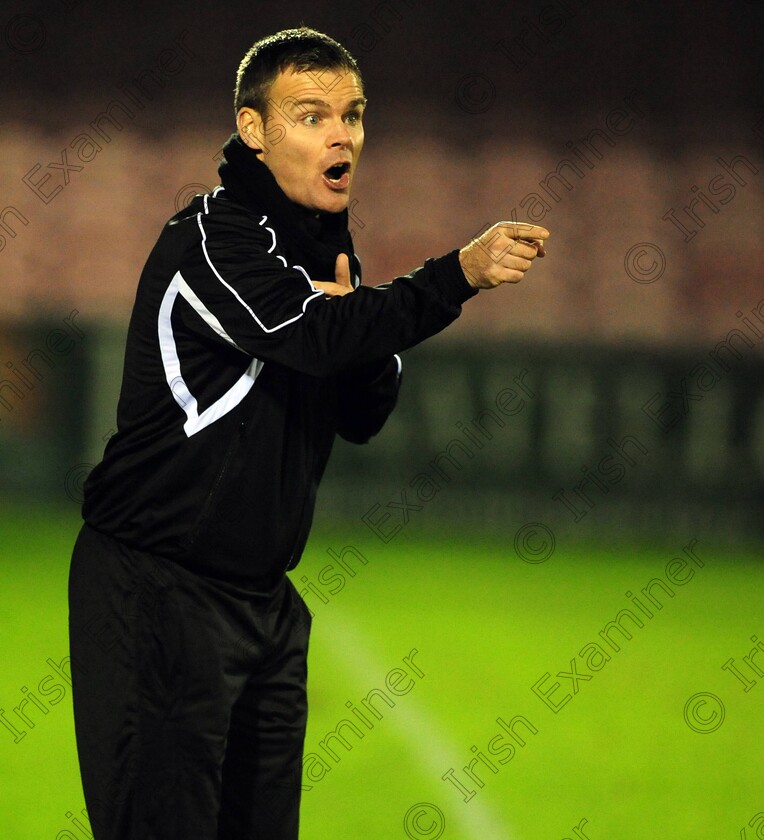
[(339, 136)]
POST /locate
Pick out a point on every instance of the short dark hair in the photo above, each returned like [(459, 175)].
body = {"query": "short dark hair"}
[(300, 49)]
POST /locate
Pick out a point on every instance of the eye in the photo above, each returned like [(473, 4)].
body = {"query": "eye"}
[(354, 117), (311, 119)]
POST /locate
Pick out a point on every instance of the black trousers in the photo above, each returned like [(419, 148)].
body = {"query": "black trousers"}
[(189, 699)]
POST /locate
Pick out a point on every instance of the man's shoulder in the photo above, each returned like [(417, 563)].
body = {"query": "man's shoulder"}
[(216, 215), (215, 204)]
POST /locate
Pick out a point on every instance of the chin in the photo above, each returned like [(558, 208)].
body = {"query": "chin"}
[(336, 204)]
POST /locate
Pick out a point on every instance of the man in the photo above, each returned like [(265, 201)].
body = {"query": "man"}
[(251, 345)]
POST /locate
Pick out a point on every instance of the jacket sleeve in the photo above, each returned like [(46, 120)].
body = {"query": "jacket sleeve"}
[(366, 398), (244, 292)]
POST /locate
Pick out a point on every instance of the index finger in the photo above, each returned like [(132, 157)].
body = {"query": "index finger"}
[(523, 230)]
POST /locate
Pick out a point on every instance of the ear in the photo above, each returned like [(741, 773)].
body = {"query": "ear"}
[(250, 126)]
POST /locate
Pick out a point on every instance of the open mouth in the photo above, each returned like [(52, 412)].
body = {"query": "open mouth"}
[(338, 176)]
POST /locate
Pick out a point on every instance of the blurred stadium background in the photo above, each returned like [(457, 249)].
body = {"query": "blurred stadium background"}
[(589, 442)]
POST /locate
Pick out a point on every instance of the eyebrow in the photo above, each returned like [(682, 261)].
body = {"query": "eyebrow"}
[(297, 103)]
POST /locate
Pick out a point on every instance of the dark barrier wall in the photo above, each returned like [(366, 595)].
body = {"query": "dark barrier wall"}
[(590, 438), (597, 440), (44, 376)]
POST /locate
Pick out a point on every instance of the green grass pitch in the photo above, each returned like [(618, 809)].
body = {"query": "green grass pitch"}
[(424, 721)]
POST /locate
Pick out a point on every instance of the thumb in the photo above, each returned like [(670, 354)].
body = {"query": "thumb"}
[(342, 271)]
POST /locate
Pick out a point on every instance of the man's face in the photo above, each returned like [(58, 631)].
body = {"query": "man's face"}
[(311, 137)]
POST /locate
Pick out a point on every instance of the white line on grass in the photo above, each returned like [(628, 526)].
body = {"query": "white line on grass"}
[(432, 749)]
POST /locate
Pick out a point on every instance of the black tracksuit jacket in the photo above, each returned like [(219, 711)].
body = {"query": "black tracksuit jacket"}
[(238, 374)]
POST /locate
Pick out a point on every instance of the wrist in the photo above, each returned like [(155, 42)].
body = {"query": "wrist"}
[(466, 272)]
